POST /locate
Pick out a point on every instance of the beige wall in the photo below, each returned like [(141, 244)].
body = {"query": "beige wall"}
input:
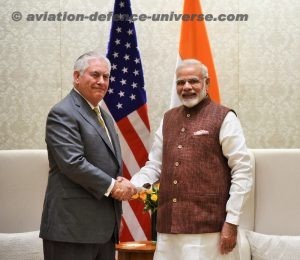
[(257, 64)]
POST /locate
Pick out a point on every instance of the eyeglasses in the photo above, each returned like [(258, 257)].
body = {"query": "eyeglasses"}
[(181, 82)]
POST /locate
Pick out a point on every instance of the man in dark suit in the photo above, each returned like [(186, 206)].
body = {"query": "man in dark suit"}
[(82, 207)]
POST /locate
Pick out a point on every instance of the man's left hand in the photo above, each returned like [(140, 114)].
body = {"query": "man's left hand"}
[(228, 238)]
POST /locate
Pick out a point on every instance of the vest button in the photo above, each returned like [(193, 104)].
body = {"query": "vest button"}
[(188, 115), (182, 129), (174, 200), (179, 146), (175, 181), (176, 164)]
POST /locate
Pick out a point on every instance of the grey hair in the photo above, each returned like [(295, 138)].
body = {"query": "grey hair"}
[(193, 62), (83, 61)]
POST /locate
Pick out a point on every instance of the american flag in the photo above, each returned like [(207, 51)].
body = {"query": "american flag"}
[(126, 101)]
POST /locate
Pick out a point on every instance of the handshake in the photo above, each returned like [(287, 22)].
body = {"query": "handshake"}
[(123, 189)]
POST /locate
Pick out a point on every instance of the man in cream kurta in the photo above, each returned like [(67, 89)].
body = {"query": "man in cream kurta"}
[(200, 157)]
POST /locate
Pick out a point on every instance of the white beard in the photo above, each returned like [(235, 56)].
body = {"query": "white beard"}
[(194, 101)]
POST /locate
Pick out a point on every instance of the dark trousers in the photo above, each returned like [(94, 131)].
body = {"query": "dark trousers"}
[(54, 250)]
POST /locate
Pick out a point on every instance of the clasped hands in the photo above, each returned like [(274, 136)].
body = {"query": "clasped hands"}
[(123, 189)]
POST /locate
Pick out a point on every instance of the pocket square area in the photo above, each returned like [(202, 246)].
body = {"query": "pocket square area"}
[(201, 132)]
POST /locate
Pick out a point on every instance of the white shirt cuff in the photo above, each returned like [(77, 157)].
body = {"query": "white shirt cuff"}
[(110, 188)]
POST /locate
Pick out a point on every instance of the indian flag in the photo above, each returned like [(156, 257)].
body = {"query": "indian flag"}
[(194, 44)]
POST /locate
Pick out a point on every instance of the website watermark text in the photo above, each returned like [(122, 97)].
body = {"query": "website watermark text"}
[(106, 17)]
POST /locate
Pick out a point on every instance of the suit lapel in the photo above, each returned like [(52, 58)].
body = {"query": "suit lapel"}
[(88, 114)]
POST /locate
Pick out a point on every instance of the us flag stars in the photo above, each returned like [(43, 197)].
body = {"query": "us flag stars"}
[(126, 91)]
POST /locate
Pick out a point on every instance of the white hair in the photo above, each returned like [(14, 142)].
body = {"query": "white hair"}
[(83, 61), (193, 62)]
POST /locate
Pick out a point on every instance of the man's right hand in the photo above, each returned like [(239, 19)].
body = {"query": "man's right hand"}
[(123, 189)]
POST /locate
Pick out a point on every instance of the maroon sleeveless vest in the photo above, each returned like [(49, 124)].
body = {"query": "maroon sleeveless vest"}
[(195, 177)]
